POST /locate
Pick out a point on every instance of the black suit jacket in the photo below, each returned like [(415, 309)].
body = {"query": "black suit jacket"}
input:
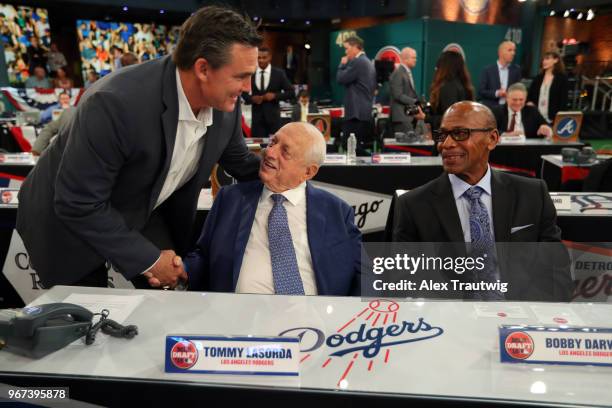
[(280, 85), (489, 82), (450, 92), (429, 214), (530, 116), (557, 96), (93, 191), (296, 113), (358, 76)]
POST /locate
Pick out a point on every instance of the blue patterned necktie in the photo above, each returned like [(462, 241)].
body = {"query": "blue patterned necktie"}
[(482, 243), (285, 272)]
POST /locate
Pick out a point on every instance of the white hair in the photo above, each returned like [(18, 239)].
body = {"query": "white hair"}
[(318, 148)]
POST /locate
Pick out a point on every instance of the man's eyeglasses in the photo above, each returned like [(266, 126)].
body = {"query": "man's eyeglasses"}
[(458, 134)]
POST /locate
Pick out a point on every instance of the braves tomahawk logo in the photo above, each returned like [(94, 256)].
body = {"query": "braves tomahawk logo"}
[(370, 334)]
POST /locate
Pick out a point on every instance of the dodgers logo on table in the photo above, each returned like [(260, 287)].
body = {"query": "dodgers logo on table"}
[(184, 354), (370, 334), (567, 127)]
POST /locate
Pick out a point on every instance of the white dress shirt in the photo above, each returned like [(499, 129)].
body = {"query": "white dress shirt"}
[(267, 71), (256, 270), (303, 112), (503, 79), (463, 204), (518, 122)]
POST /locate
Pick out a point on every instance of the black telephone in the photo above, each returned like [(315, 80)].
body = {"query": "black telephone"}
[(36, 331)]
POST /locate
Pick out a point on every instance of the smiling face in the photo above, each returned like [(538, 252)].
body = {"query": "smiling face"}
[(516, 100), (220, 88), (284, 165), (263, 59), (468, 159), (548, 62)]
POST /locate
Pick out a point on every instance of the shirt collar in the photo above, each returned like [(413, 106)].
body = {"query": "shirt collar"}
[(266, 69), (294, 196), (405, 67), (510, 112), (359, 54), (500, 66), (185, 111), (459, 186)]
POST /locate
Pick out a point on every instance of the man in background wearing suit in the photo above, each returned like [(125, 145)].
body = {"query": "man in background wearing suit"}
[(303, 108), (280, 235), (472, 203), (518, 118), (269, 86), (495, 79), (52, 128), (357, 74), (403, 93), (120, 184)]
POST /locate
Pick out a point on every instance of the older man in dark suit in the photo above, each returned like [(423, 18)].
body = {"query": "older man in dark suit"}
[(120, 184), (495, 79), (472, 203), (516, 118), (403, 92), (357, 74), (269, 85)]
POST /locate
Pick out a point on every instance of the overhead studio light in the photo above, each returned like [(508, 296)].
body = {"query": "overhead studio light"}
[(566, 14), (125, 8), (590, 15), (307, 46), (552, 13), (579, 16)]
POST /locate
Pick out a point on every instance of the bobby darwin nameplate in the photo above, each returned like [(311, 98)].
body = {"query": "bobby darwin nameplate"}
[(274, 356)]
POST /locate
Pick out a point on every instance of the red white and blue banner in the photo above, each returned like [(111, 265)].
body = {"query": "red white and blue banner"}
[(38, 99)]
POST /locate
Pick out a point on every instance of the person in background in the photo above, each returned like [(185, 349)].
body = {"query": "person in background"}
[(517, 118), (46, 135), (128, 59), (62, 80), (92, 76), (269, 85), (303, 107), (357, 74), (36, 55), (548, 91), (63, 102), (403, 93), (495, 79), (451, 83), (290, 63), (55, 59), (117, 54), (39, 79)]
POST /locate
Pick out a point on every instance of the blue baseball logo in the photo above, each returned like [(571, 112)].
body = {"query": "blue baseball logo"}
[(567, 127)]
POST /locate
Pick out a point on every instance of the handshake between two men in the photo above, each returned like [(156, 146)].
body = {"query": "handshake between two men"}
[(167, 272)]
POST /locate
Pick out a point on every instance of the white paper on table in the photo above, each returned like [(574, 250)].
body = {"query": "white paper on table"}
[(500, 310), (556, 314), (120, 307)]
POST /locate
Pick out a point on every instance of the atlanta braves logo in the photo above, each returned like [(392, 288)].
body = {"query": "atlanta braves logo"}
[(377, 330)]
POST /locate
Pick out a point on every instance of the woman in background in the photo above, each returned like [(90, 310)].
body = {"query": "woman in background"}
[(548, 91), (451, 83)]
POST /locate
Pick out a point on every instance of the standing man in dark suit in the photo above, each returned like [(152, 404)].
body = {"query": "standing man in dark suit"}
[(519, 119), (269, 86), (403, 92), (120, 184), (495, 79), (303, 107), (472, 203), (290, 63), (287, 237), (357, 74)]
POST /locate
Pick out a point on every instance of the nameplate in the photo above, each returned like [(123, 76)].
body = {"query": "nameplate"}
[(513, 139), (555, 345), (17, 158), (233, 355), (562, 203), (335, 159), (388, 158)]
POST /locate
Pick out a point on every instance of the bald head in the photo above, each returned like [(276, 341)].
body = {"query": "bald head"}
[(506, 52), (408, 56), (474, 113), (293, 156)]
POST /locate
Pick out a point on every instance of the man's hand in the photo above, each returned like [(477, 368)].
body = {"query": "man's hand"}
[(344, 60), (257, 99), (546, 131), (166, 271), (269, 96), (420, 115), (501, 93)]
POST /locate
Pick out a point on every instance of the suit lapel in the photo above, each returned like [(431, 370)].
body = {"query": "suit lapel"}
[(444, 205), (315, 227), (503, 197), (248, 206), (169, 126)]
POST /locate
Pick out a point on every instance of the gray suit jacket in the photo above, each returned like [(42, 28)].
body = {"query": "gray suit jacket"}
[(402, 94), (93, 192), (359, 78), (52, 129)]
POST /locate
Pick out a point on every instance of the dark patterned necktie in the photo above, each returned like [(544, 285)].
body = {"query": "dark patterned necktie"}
[(512, 123), (262, 81), (285, 272)]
